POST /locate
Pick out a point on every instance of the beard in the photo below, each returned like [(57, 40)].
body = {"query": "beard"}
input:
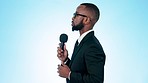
[(78, 27)]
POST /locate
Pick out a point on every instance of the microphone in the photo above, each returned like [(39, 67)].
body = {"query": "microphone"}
[(63, 39)]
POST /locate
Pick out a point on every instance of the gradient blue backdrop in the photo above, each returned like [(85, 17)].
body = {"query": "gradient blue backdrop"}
[(29, 36)]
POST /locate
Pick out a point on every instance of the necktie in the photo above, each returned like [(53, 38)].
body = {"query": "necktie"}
[(75, 48), (67, 80)]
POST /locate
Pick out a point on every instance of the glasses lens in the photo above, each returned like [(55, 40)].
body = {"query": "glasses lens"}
[(74, 15)]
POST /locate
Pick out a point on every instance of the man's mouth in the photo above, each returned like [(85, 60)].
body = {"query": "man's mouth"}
[(72, 24)]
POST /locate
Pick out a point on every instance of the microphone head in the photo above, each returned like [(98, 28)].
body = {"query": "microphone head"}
[(63, 38)]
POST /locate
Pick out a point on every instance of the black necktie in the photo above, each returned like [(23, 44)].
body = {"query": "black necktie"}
[(67, 80), (75, 48)]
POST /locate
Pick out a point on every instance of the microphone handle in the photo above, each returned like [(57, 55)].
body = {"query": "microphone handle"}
[(62, 45)]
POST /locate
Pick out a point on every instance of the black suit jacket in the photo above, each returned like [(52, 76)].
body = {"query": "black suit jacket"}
[(87, 66)]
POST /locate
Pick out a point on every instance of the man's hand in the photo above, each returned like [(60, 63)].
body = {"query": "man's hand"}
[(63, 71), (62, 54)]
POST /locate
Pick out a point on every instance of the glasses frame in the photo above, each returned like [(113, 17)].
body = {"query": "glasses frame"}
[(76, 14)]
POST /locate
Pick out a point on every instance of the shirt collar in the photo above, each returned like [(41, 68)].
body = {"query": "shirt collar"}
[(83, 35)]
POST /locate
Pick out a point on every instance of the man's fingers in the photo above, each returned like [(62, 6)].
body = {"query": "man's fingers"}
[(60, 50), (59, 67)]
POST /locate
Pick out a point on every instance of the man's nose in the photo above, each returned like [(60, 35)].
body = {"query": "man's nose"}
[(72, 18)]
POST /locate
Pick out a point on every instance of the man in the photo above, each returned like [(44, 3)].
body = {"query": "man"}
[(88, 58)]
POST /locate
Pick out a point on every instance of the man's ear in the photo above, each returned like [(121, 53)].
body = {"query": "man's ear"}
[(86, 20)]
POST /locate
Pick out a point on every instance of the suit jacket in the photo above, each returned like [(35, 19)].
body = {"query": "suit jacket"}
[(87, 64)]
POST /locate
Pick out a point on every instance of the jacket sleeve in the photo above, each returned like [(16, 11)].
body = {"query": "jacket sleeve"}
[(94, 60), (67, 62)]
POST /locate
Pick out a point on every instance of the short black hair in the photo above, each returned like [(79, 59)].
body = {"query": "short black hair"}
[(93, 8)]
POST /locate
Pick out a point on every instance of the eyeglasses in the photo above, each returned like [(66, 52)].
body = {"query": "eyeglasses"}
[(76, 14)]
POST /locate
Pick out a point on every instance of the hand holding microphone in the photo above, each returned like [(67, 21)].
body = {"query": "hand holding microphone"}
[(62, 52)]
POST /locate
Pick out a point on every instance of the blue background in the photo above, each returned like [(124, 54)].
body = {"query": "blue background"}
[(30, 30)]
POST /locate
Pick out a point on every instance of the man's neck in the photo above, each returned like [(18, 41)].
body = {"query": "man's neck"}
[(83, 35), (85, 29)]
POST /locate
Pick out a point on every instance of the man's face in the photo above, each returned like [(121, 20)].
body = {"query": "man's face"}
[(77, 20), (78, 26)]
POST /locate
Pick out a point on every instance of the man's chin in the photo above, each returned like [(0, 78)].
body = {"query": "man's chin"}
[(78, 27), (74, 28)]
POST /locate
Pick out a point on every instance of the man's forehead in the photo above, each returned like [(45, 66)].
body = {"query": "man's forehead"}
[(80, 8)]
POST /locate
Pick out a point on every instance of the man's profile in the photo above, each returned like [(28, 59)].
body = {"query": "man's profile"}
[(88, 59)]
